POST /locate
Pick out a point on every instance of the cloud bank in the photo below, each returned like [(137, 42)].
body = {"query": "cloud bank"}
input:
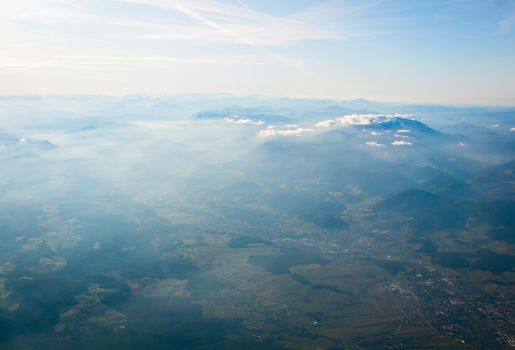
[(362, 119)]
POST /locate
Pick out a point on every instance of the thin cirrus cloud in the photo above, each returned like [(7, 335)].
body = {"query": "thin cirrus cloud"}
[(240, 24), (13, 63), (507, 21), (192, 20), (309, 48), (207, 22), (53, 14)]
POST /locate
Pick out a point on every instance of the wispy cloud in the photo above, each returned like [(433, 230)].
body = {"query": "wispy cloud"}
[(203, 21), (507, 21), (402, 143), (374, 144), (326, 49), (241, 24), (58, 13), (72, 3), (272, 132), (14, 63), (243, 121)]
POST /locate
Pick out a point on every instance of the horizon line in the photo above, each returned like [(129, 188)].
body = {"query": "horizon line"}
[(228, 94)]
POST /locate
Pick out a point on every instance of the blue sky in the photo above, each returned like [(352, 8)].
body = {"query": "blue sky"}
[(448, 51)]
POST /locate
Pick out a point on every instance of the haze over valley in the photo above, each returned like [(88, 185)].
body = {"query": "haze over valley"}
[(202, 221)]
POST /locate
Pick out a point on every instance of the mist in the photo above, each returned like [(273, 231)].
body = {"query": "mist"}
[(215, 221)]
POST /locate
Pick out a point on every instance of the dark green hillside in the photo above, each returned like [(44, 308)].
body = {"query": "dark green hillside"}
[(447, 185), (427, 212), (411, 202), (496, 182)]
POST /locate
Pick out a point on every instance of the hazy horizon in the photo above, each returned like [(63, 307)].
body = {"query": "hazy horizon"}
[(243, 96)]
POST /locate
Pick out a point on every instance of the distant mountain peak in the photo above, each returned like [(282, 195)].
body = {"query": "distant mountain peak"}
[(361, 100)]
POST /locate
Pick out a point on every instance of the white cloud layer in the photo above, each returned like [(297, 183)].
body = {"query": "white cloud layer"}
[(374, 144), (357, 119), (243, 121), (402, 143), (326, 124), (272, 132)]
